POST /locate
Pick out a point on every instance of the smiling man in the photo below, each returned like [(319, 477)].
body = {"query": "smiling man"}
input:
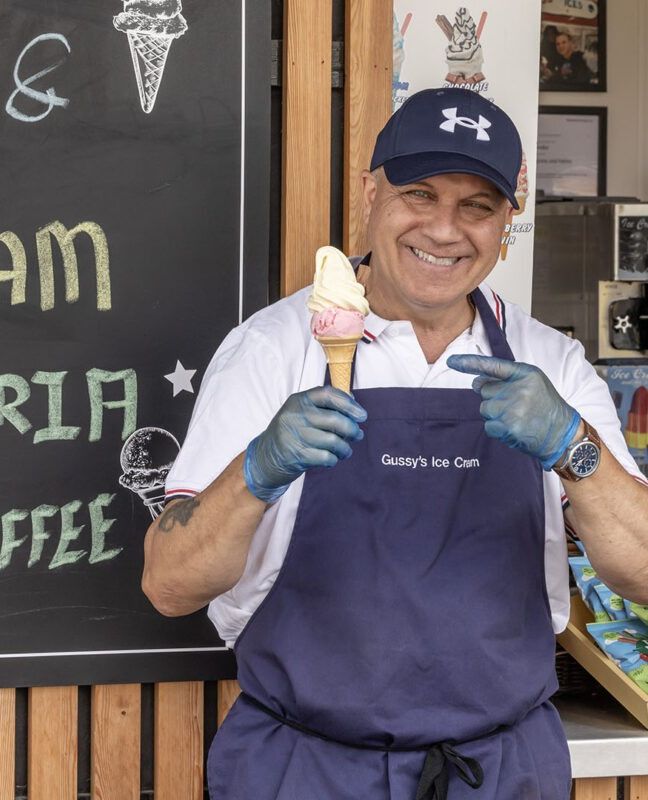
[(393, 615), (570, 66)]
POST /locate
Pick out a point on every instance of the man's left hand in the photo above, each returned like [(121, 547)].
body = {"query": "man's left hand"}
[(520, 406)]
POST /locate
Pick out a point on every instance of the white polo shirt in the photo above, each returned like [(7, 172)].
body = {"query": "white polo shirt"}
[(273, 354)]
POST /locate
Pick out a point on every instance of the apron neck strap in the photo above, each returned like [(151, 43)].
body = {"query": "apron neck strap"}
[(496, 336)]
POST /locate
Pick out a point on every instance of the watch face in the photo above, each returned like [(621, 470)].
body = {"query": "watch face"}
[(584, 459)]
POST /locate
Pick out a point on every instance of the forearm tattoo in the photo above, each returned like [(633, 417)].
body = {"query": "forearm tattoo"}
[(180, 512)]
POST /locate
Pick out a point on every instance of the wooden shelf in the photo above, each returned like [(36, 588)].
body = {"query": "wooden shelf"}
[(577, 641)]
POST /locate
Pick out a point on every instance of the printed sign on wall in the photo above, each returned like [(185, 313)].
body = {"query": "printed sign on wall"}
[(492, 48)]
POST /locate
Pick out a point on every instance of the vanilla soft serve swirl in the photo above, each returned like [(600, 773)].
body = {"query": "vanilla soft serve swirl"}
[(335, 284)]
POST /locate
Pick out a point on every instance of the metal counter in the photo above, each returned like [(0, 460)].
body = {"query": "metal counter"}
[(604, 739)]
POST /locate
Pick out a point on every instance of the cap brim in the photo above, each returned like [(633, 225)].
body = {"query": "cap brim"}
[(416, 167)]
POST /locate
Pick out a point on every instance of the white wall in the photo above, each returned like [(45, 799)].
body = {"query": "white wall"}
[(627, 83)]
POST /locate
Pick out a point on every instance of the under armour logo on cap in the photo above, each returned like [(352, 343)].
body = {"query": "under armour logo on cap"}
[(452, 120)]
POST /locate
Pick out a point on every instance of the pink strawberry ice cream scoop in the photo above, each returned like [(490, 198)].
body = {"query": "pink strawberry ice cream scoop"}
[(337, 322)]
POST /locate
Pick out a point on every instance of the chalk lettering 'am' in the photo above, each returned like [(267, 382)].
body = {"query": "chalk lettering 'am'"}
[(17, 275)]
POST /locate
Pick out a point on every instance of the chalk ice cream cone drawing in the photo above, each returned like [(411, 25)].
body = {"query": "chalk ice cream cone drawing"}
[(151, 27), (521, 195), (464, 54), (339, 308), (146, 458)]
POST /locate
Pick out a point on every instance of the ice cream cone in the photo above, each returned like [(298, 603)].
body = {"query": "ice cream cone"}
[(153, 498), (521, 197), (149, 52), (339, 356)]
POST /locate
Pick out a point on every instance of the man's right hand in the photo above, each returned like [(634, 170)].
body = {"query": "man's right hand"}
[(312, 429)]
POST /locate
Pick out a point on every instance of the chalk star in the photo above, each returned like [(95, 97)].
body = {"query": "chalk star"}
[(181, 379)]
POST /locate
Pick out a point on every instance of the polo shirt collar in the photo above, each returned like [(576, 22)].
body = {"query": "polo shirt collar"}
[(475, 335)]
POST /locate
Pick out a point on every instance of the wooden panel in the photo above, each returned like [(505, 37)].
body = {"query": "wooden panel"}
[(228, 691), (368, 56), (636, 788), (116, 729), (595, 789), (7, 743), (52, 743), (306, 195), (178, 741)]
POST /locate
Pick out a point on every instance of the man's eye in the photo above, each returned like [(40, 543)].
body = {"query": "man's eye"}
[(474, 205), (419, 194)]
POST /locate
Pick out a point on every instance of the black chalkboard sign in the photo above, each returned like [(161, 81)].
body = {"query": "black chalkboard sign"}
[(133, 236), (632, 256)]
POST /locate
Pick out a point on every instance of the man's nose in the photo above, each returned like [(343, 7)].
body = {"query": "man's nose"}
[(442, 225)]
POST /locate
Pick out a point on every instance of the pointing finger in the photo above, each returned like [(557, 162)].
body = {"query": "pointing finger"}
[(494, 368)]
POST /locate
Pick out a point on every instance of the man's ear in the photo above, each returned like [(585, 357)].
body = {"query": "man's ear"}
[(369, 189)]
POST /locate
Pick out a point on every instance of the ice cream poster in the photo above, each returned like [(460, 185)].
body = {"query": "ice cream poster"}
[(492, 48), (628, 385), (130, 246)]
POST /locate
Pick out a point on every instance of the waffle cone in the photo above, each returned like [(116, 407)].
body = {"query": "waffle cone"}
[(339, 356), (149, 53)]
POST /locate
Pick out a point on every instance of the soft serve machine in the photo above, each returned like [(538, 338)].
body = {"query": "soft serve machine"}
[(590, 280)]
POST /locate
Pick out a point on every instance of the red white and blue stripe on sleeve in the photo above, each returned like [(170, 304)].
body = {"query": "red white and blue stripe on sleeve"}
[(177, 494)]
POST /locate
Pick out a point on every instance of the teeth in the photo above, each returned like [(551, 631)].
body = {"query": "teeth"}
[(430, 259)]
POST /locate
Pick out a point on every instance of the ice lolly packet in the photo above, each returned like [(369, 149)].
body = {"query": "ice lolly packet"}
[(612, 603), (635, 611), (580, 546), (626, 643), (585, 577), (339, 308)]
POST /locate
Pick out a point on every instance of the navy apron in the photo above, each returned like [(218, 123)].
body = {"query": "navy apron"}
[(405, 650)]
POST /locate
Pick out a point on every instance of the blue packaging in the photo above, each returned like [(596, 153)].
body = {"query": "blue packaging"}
[(585, 577), (612, 603), (626, 643), (635, 611)]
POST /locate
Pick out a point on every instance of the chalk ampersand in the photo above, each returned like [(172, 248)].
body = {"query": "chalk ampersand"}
[(23, 87)]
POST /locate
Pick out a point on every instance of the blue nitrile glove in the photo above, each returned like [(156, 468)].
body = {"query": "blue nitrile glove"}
[(521, 406), (311, 429)]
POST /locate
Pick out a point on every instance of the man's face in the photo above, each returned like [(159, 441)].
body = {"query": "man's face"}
[(564, 45), (432, 242)]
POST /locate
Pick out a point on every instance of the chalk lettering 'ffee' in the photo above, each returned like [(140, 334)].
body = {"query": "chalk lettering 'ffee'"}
[(17, 275), (33, 533)]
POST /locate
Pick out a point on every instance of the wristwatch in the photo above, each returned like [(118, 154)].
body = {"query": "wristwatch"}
[(582, 456)]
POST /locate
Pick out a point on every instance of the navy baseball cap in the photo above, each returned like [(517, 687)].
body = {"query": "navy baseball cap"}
[(439, 131)]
